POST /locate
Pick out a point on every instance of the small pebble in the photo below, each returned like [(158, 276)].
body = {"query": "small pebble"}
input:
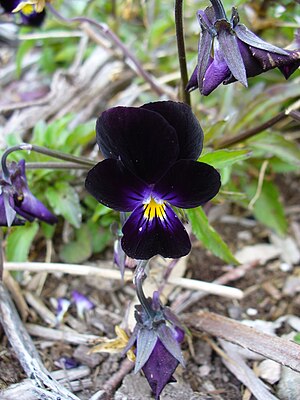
[(251, 312)]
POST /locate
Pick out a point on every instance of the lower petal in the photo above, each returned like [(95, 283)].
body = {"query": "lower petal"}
[(146, 235)]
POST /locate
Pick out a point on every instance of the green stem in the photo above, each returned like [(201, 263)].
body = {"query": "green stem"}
[(43, 150), (139, 277), (55, 165), (219, 9), (184, 94)]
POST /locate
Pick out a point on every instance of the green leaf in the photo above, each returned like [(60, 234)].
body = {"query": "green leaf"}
[(23, 49), (78, 250), (100, 237), (268, 209), (224, 158), (297, 338), (277, 145), (19, 242), (208, 236), (65, 201)]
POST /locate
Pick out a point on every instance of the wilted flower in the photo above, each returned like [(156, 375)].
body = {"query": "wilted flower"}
[(229, 52), (82, 303), (32, 11), (151, 165), (16, 198), (157, 337)]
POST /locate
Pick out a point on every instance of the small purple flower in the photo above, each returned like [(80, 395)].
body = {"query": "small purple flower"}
[(16, 198), (157, 337), (82, 303), (229, 52), (150, 166), (28, 14), (62, 307), (67, 363)]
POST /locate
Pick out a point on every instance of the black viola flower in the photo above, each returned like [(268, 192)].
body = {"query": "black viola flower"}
[(229, 52), (31, 12), (150, 166), (17, 200), (156, 338)]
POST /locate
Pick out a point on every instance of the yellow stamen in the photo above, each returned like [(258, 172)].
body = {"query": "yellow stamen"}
[(154, 209)]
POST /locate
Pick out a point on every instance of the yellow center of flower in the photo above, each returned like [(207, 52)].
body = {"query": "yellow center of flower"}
[(154, 209), (28, 9)]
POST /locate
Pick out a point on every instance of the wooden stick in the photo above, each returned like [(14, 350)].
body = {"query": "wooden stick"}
[(281, 350), (26, 351), (74, 269)]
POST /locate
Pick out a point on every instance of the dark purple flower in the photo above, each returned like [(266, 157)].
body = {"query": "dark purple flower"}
[(157, 337), (229, 52), (16, 198), (151, 165), (28, 14)]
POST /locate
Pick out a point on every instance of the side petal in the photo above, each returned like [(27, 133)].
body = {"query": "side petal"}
[(113, 185), (145, 142), (245, 35), (181, 117), (287, 63), (189, 184), (216, 73), (144, 238), (204, 57), (230, 49), (193, 82), (30, 208)]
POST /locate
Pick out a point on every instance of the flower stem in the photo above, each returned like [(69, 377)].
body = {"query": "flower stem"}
[(139, 277), (115, 39), (184, 94), (43, 150), (219, 9), (55, 165)]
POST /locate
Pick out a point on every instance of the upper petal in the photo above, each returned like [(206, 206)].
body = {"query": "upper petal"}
[(144, 140), (113, 185), (189, 184), (181, 117), (146, 237)]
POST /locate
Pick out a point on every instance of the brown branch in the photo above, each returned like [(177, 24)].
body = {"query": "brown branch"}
[(283, 351)]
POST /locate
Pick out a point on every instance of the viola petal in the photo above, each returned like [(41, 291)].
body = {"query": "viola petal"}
[(230, 49), (217, 72), (189, 184), (159, 368), (247, 36), (25, 203), (181, 117), (144, 237), (145, 142), (115, 186)]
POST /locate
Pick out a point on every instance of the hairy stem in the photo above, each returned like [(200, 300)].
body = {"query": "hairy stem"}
[(114, 38), (184, 94)]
